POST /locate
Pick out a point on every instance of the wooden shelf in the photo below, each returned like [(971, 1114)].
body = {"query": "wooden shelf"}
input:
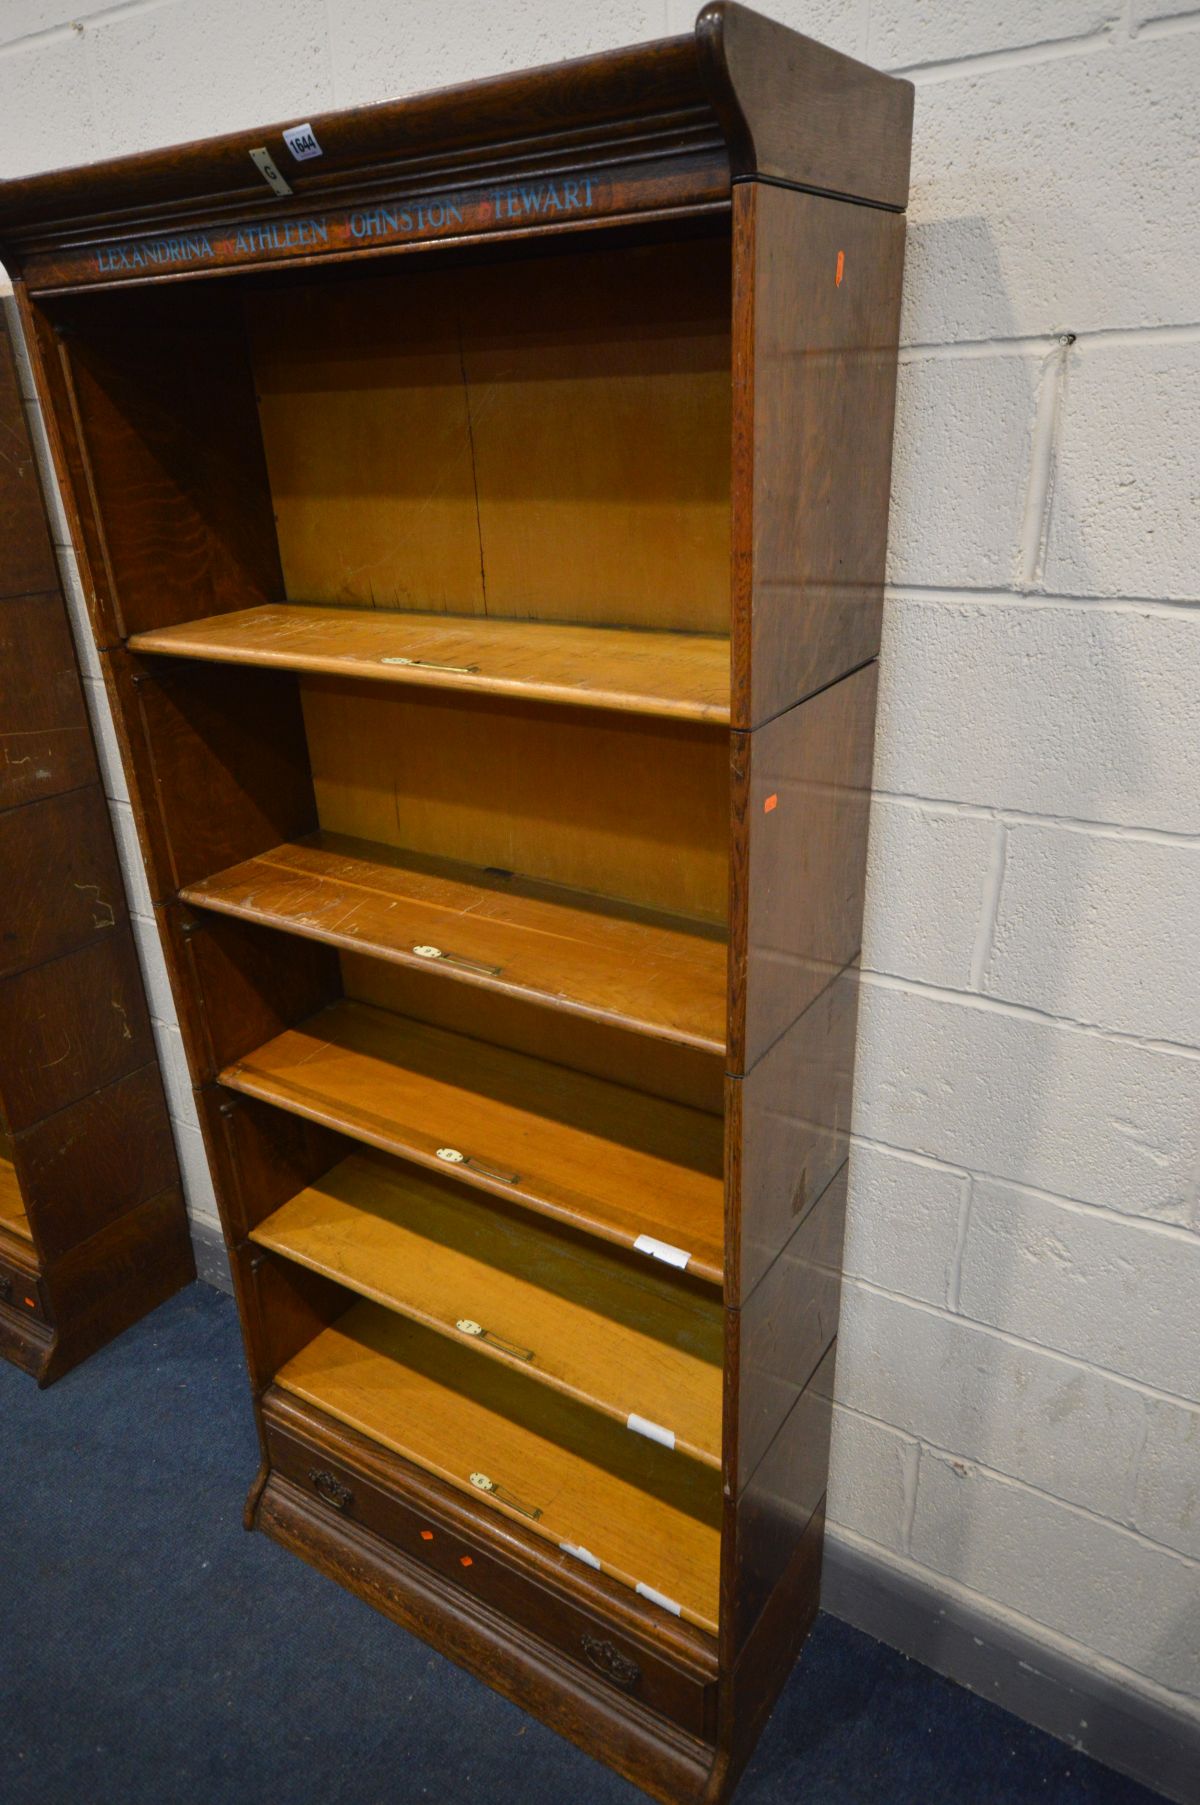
[(12, 1204), (645, 1517), (624, 1342), (613, 1162), (630, 967), (634, 670)]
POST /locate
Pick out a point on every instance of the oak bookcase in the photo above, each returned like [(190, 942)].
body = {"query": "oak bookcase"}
[(483, 513), (93, 1232)]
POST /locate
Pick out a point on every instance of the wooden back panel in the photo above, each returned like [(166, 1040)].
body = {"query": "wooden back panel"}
[(633, 809), (542, 438)]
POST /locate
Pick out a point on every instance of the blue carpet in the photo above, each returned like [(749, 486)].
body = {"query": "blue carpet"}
[(152, 1651)]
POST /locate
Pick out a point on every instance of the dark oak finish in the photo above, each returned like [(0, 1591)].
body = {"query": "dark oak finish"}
[(44, 916), (92, 1226), (787, 1132), (45, 743), (801, 799), (485, 542), (812, 438), (28, 563)]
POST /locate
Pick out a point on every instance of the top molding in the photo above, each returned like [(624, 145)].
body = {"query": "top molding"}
[(661, 128)]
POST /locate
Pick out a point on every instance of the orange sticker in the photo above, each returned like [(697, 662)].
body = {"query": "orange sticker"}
[(769, 804), (466, 1561), (427, 1535), (841, 269), (30, 1303)]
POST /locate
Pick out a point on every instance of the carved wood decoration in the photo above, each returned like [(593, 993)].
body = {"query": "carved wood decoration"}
[(483, 519), (92, 1226)]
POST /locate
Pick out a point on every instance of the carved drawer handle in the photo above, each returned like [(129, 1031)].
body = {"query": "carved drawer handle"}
[(607, 1659), (331, 1489)]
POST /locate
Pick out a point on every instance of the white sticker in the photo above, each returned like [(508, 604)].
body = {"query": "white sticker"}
[(301, 140), (264, 162), (662, 1250), (641, 1425), (581, 1554), (668, 1604)]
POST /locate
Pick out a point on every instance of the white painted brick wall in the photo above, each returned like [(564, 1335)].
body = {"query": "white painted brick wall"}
[(1107, 1587), (1072, 905), (951, 1384), (1017, 1096), (1019, 1416)]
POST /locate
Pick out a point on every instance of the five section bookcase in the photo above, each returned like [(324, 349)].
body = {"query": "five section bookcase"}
[(485, 541)]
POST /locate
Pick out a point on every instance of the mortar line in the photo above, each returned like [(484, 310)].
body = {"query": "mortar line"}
[(1016, 57), (1143, 606), (1184, 332), (987, 811), (77, 28), (953, 1457), (1151, 1224), (966, 1209), (912, 1487), (1134, 1472), (944, 993), (1035, 527), (1027, 1344), (1169, 28), (989, 909), (1128, 1677)]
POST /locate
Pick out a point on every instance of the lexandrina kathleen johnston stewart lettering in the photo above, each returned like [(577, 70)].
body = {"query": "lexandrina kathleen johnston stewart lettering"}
[(360, 225)]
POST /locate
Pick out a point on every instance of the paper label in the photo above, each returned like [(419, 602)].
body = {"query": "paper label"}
[(580, 1554), (668, 1604), (641, 1425), (662, 1250), (301, 140)]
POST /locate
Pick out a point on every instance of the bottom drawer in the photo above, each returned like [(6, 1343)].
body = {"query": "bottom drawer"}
[(429, 1533)]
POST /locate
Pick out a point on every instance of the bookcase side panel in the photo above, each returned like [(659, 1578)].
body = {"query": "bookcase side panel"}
[(816, 323)]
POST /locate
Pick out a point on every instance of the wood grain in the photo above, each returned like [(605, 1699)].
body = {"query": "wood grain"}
[(96, 1160), (684, 676), (516, 1616), (788, 1131), (62, 883), (598, 1157), (634, 809), (555, 449), (786, 1327), (12, 1203), (45, 741), (801, 801), (165, 461), (534, 1587), (653, 974), (632, 464), (71, 1026), (621, 1341), (648, 1517), (27, 561), (849, 134), (817, 309)]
